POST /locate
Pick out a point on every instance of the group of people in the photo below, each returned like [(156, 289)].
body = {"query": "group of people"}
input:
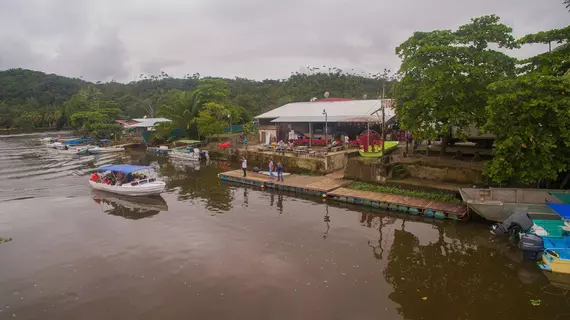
[(272, 169), (117, 179), (279, 170)]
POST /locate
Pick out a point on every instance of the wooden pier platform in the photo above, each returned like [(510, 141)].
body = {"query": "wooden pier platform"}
[(333, 188), (312, 185), (411, 205)]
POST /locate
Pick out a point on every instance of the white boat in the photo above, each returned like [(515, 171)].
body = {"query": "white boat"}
[(127, 181), (79, 150), (497, 204), (186, 153), (97, 150)]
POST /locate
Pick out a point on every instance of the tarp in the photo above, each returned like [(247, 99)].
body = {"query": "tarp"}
[(123, 168), (105, 140), (564, 197), (562, 210)]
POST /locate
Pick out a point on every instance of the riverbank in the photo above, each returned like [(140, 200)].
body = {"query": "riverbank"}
[(340, 190)]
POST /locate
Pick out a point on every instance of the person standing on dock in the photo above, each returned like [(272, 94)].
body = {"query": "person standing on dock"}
[(279, 171), (271, 168), (244, 166)]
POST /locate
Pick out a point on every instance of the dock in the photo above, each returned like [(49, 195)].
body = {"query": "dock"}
[(311, 185), (411, 205), (334, 188)]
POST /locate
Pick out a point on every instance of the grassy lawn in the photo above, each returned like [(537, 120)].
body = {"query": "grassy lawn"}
[(440, 196)]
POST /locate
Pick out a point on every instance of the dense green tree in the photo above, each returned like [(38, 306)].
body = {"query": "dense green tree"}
[(444, 76), (212, 119), (530, 115)]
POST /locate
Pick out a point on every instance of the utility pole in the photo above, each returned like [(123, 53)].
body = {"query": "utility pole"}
[(383, 118)]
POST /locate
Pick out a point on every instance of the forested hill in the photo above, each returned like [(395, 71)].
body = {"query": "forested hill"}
[(18, 86), (34, 99)]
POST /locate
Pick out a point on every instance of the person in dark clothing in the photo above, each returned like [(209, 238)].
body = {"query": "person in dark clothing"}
[(279, 171)]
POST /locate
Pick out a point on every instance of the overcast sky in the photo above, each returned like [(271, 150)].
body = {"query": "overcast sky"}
[(120, 39)]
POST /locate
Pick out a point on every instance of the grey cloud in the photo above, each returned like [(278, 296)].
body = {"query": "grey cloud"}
[(156, 65), (261, 39)]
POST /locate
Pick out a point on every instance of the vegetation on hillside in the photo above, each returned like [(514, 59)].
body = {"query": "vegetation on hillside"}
[(32, 99)]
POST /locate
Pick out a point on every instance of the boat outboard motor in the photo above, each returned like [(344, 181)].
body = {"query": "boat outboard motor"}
[(531, 246), (517, 222)]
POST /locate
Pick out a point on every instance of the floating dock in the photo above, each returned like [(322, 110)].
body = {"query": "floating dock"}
[(333, 188), (311, 185), (411, 205)]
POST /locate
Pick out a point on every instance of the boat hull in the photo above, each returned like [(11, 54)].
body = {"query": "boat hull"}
[(147, 189), (497, 204), (75, 151), (98, 150), (499, 212), (556, 256), (388, 147), (184, 156)]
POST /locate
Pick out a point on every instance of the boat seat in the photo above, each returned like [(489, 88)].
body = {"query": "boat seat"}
[(560, 245)]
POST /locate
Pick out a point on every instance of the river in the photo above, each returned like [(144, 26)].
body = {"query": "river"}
[(211, 250)]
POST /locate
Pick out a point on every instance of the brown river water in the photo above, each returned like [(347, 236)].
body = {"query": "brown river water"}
[(211, 250)]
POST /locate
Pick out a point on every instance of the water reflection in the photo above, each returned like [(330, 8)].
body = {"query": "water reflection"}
[(129, 207), (194, 184), (279, 203), (456, 278), (327, 220)]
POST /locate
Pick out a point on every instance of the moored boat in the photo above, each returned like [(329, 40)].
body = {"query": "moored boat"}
[(185, 153), (388, 147), (79, 150), (556, 255), (497, 204), (104, 147), (127, 180), (97, 149), (544, 239)]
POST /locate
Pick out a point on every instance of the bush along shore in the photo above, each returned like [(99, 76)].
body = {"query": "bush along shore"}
[(439, 196)]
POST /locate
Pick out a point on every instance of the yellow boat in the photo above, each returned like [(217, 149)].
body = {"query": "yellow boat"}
[(388, 147)]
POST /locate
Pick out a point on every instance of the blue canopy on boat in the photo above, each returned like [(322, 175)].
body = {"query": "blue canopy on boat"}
[(77, 141), (123, 168), (562, 210)]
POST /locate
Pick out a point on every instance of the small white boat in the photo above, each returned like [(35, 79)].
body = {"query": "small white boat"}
[(97, 150), (79, 150), (186, 153), (129, 180)]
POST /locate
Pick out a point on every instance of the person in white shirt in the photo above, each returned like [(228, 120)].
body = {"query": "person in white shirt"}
[(346, 140), (244, 166)]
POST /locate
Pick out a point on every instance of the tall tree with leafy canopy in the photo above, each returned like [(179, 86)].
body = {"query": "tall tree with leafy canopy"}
[(444, 76), (182, 106), (530, 115), (212, 119)]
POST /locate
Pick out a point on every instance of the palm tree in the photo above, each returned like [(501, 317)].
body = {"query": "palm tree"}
[(567, 3)]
